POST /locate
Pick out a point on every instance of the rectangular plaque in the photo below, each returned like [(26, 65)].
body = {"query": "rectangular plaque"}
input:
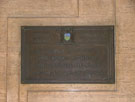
[(67, 54)]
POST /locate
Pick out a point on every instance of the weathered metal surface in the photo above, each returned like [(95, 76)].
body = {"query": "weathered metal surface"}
[(67, 54)]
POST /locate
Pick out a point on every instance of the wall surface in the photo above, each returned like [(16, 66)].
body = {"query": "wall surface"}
[(16, 13)]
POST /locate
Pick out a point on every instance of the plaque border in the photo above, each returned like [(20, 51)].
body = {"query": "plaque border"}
[(111, 72)]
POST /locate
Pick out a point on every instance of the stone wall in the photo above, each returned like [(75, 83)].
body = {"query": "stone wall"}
[(15, 13)]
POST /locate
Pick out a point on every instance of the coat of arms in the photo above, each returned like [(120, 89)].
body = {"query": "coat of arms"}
[(67, 36)]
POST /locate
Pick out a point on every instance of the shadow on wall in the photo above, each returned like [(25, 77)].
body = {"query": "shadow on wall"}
[(133, 3)]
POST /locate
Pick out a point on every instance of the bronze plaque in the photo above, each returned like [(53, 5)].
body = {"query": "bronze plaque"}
[(67, 54)]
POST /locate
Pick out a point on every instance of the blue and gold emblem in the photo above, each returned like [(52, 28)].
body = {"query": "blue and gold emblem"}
[(67, 36)]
